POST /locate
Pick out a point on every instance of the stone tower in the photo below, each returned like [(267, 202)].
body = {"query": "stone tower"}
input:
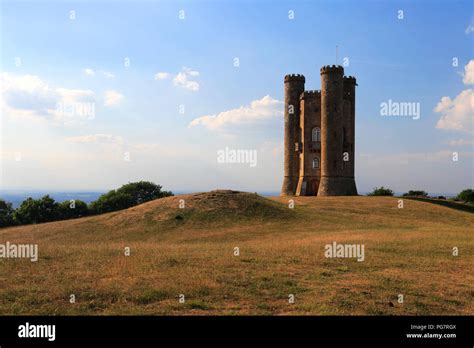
[(348, 144), (294, 86), (310, 154), (320, 135)]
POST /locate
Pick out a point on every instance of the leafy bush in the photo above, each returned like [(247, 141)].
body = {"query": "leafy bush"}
[(143, 191), (6, 214), (127, 196), (381, 191), (32, 211), (73, 209), (111, 201), (416, 193), (466, 195)]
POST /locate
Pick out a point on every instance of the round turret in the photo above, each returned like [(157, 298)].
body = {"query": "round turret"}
[(332, 69), (294, 86), (294, 77)]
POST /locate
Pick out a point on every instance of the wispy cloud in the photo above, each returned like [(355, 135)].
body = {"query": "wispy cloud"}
[(92, 72), (186, 78), (258, 111), (28, 96), (162, 76), (89, 71), (107, 74), (470, 28), (112, 98)]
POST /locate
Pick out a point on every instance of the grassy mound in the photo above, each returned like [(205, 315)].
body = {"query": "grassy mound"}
[(215, 208)]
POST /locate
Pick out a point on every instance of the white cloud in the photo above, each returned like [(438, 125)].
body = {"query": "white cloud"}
[(190, 71), (182, 79), (162, 76), (92, 72), (258, 111), (96, 138), (27, 96), (89, 72), (469, 73), (457, 114), (107, 74), (461, 142), (112, 98)]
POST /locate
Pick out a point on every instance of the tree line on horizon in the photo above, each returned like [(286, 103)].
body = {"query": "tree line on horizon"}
[(466, 196), (46, 209)]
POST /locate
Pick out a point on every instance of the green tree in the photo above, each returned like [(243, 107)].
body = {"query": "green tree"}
[(111, 201), (73, 209), (127, 196), (466, 195), (143, 191), (6, 214), (381, 191), (416, 193), (32, 211)]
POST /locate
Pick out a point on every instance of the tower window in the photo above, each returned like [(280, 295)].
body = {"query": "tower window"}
[(316, 163), (316, 134)]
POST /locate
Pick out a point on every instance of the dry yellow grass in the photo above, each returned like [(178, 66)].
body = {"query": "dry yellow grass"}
[(407, 251)]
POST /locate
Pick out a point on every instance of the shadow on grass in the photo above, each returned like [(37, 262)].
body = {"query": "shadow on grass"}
[(448, 204)]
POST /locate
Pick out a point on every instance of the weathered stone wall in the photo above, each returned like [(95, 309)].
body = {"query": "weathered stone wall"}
[(349, 127), (331, 130), (310, 118), (294, 86)]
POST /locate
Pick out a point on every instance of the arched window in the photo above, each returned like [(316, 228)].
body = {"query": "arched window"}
[(316, 134), (316, 163)]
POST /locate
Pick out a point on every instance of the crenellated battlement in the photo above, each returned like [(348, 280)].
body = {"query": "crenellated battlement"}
[(332, 69), (294, 77), (350, 79), (310, 94)]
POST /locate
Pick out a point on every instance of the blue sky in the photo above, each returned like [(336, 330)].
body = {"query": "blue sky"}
[(48, 58)]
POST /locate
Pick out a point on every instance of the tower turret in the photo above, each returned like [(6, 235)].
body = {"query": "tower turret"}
[(331, 130), (294, 86), (349, 133)]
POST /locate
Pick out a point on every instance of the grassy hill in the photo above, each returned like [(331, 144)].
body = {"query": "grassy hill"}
[(190, 251)]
